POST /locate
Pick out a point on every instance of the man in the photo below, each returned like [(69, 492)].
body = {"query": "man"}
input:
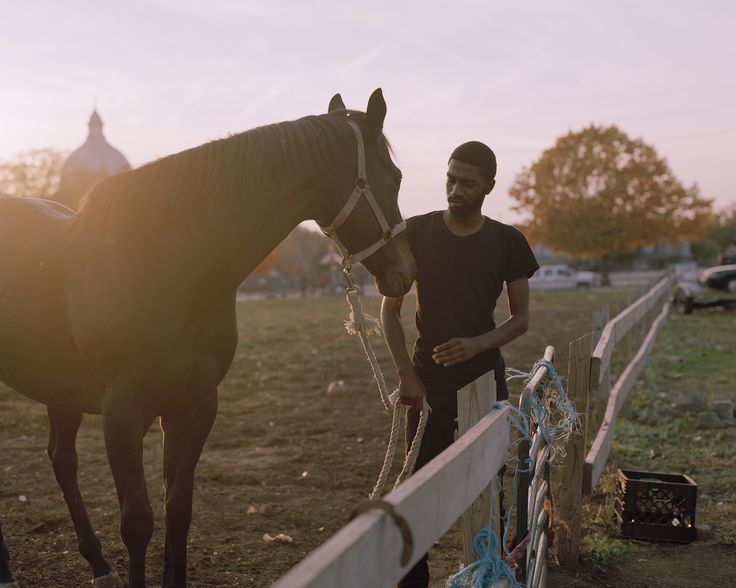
[(463, 260)]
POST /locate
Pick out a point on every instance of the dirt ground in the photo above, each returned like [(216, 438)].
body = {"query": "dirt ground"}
[(283, 457)]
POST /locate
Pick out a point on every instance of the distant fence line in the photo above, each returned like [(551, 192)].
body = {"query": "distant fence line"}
[(637, 278), (291, 289)]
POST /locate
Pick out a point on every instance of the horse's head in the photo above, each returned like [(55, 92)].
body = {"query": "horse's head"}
[(363, 217)]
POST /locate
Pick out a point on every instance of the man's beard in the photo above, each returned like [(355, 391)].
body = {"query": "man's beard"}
[(466, 209)]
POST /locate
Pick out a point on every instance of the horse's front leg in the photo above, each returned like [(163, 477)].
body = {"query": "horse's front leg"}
[(6, 576), (125, 424), (185, 432), (63, 427)]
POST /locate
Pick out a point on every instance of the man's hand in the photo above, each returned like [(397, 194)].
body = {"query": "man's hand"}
[(456, 351), (411, 389)]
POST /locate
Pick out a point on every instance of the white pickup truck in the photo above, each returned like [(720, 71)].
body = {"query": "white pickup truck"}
[(559, 276)]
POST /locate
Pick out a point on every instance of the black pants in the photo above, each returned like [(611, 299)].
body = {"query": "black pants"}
[(438, 436)]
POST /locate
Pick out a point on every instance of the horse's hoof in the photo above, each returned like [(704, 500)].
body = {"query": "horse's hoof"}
[(111, 580)]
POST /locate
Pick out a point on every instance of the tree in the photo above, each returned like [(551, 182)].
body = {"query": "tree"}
[(34, 173), (295, 263), (597, 192), (302, 251), (299, 253), (719, 236)]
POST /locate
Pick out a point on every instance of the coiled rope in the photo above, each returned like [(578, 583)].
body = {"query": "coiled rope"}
[(361, 324)]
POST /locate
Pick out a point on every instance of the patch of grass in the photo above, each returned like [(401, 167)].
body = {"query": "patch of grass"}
[(604, 549), (661, 429), (602, 539)]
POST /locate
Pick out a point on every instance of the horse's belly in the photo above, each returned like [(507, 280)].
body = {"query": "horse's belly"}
[(37, 354), (76, 398), (38, 358)]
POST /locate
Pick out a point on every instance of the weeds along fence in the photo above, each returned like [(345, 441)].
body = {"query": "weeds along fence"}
[(379, 546), (624, 341)]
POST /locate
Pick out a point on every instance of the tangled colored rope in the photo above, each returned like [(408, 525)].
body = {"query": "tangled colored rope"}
[(549, 398)]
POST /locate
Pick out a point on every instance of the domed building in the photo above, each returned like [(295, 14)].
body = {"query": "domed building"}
[(95, 160)]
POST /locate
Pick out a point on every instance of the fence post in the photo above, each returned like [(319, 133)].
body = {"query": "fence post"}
[(475, 401), (570, 493), (600, 384)]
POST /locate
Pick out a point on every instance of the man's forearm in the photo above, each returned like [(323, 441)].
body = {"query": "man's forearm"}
[(510, 329), (393, 332), (518, 321)]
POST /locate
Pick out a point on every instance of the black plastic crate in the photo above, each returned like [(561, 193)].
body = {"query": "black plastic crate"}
[(655, 506)]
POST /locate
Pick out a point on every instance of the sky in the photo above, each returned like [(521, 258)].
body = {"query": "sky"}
[(166, 75)]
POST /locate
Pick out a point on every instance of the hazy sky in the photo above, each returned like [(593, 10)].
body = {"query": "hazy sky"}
[(171, 74)]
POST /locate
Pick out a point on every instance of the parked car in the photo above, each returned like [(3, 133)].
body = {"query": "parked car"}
[(559, 276), (705, 289), (720, 277)]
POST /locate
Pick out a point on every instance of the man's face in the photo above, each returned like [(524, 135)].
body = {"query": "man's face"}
[(466, 188)]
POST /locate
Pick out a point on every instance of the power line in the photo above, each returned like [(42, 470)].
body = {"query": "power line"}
[(647, 115), (696, 135)]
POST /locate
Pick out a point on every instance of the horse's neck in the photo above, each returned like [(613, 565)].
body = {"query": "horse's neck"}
[(231, 240), (250, 226), (220, 244), (266, 227)]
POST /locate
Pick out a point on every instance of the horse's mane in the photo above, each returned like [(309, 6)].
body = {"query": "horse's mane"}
[(183, 184)]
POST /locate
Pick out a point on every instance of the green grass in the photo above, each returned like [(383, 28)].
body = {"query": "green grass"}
[(605, 549), (693, 364)]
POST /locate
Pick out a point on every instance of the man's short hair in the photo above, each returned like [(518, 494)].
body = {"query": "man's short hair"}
[(477, 153)]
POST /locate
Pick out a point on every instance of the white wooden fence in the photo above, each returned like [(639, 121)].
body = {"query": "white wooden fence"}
[(375, 550), (589, 377), (614, 332), (379, 546)]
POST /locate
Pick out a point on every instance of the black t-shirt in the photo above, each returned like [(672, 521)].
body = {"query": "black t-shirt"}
[(459, 280)]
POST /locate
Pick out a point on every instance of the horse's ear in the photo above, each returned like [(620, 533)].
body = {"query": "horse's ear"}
[(376, 111), (336, 104)]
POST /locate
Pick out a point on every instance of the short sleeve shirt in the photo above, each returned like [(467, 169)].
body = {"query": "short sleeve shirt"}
[(459, 280)]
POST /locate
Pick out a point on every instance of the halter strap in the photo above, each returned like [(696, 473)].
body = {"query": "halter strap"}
[(361, 189)]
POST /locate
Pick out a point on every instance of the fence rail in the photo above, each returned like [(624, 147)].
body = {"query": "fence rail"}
[(590, 385), (366, 552), (618, 327), (598, 454)]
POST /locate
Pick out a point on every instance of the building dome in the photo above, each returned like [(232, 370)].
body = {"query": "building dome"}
[(96, 154), (95, 160)]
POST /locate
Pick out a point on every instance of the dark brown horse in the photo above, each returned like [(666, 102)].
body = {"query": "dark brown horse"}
[(127, 309)]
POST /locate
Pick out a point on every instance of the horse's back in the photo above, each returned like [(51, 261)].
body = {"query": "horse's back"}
[(25, 221), (15, 208)]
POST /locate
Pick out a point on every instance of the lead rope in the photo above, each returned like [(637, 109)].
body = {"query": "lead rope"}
[(363, 325)]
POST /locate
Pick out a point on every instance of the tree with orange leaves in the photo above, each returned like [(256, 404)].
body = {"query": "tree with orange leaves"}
[(597, 193)]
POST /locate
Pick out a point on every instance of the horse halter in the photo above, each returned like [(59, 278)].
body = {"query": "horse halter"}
[(361, 189)]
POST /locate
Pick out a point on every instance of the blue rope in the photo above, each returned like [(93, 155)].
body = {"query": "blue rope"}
[(545, 401), (487, 569)]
